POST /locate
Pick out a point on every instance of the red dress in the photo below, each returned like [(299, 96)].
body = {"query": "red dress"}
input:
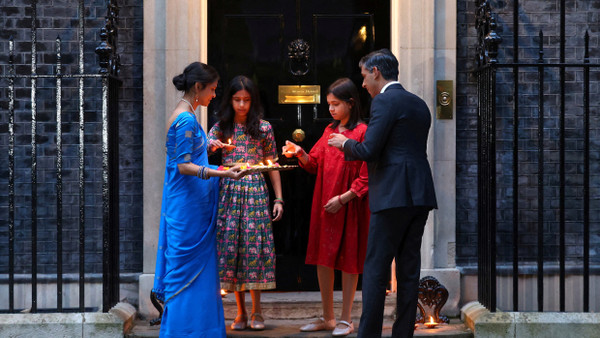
[(338, 240)]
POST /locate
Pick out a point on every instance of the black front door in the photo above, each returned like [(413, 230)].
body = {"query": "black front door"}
[(254, 38)]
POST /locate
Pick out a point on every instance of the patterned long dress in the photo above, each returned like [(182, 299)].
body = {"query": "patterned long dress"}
[(244, 229)]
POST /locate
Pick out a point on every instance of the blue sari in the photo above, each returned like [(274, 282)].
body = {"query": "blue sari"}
[(186, 276)]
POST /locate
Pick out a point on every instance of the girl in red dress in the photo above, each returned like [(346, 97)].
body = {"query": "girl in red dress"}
[(339, 221)]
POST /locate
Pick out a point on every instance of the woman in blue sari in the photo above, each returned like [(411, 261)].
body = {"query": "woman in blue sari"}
[(186, 276)]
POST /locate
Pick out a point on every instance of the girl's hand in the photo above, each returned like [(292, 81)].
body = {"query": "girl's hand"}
[(217, 144), (291, 149), (333, 205), (214, 145), (277, 211)]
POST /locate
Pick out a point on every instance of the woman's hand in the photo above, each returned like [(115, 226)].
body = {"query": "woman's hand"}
[(236, 172), (333, 205), (277, 211), (291, 149)]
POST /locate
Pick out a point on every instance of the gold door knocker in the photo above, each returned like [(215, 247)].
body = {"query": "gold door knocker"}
[(298, 135)]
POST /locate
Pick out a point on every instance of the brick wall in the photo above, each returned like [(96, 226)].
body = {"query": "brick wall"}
[(60, 18), (534, 16)]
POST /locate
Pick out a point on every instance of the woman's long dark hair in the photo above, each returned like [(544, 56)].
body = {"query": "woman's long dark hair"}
[(345, 90), (227, 114)]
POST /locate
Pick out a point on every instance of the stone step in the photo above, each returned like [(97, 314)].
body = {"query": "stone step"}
[(300, 305)]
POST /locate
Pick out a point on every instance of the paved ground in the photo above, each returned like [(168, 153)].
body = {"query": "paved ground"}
[(290, 328), (286, 312)]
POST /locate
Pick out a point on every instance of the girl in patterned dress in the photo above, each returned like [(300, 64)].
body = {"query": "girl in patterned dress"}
[(244, 232)]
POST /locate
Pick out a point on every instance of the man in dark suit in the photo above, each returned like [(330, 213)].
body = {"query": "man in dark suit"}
[(401, 192)]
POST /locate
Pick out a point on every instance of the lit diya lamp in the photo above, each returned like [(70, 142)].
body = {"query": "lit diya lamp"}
[(260, 167), (430, 324), (223, 293), (270, 164), (229, 146), (290, 150)]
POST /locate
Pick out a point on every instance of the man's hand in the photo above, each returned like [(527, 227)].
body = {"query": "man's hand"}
[(336, 140)]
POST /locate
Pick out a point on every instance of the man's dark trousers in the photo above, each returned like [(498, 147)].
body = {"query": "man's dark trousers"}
[(393, 233)]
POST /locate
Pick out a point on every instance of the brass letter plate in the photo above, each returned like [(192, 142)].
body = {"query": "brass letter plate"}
[(299, 94), (443, 100)]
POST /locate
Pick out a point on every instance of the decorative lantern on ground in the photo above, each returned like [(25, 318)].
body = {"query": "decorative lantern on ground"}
[(432, 297)]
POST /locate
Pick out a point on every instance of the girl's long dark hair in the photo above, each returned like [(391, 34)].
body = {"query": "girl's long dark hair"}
[(345, 90), (226, 114)]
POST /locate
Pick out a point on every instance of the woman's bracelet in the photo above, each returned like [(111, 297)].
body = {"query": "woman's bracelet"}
[(340, 199), (202, 173), (279, 200)]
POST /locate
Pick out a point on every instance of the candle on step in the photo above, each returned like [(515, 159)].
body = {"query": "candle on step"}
[(431, 324)]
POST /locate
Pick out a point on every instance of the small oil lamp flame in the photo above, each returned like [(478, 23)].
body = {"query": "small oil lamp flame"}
[(223, 293), (261, 164), (431, 324), (229, 141), (269, 162)]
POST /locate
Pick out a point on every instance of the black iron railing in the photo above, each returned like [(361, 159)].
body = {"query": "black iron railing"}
[(488, 173), (108, 75)]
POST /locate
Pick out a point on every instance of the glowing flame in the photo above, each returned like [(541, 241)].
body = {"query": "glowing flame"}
[(269, 162), (223, 293), (430, 324), (229, 141), (362, 33), (261, 164)]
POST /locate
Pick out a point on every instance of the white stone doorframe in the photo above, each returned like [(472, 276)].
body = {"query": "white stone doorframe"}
[(424, 40)]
